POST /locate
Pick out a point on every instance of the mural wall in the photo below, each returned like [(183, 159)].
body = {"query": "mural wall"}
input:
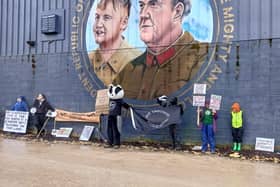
[(151, 49)]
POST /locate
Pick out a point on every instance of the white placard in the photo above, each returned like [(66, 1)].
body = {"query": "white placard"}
[(63, 132), (15, 121), (86, 134), (215, 102), (265, 144), (199, 89), (198, 100)]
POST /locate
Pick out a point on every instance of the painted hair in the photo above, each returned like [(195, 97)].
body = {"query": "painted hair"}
[(187, 5), (43, 95), (116, 4)]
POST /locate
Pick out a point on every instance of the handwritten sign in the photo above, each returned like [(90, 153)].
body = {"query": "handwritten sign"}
[(215, 102), (199, 89), (86, 134), (265, 144), (15, 121), (63, 132), (102, 102), (198, 100)]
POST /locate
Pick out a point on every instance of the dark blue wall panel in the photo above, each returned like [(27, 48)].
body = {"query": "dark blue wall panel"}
[(254, 83)]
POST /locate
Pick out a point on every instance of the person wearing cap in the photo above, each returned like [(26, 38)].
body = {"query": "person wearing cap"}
[(237, 126), (208, 117), (20, 104)]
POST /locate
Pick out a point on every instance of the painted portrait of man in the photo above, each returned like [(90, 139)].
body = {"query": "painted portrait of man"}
[(113, 52), (172, 56)]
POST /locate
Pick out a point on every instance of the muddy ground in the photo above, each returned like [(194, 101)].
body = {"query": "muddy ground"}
[(221, 151), (27, 162)]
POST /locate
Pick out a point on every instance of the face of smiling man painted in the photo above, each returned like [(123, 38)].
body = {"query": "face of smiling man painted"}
[(109, 24), (157, 20)]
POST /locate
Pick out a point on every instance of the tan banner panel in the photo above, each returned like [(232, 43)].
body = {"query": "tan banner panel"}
[(63, 115)]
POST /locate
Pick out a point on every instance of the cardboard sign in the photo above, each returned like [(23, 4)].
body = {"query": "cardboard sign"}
[(86, 134), (102, 102), (63, 132), (215, 102), (198, 100), (199, 89), (265, 144), (15, 121)]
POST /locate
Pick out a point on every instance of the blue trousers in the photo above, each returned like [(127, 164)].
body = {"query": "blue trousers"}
[(208, 136)]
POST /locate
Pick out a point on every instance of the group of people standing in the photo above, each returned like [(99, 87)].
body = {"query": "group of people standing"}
[(208, 126), (208, 118), (38, 110)]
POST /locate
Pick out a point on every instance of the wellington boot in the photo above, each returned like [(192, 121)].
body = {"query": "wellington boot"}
[(239, 147), (234, 148)]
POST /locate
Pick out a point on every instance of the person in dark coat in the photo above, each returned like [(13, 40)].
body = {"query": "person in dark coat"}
[(40, 108)]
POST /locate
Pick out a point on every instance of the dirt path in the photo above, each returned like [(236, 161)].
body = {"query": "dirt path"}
[(44, 164)]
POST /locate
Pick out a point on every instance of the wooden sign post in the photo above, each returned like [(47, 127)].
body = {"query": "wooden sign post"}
[(199, 100)]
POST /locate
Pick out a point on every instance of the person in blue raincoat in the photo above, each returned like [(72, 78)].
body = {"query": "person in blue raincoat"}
[(20, 104)]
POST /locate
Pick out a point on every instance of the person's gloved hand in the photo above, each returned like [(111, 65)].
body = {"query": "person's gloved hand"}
[(33, 110), (173, 101), (163, 100)]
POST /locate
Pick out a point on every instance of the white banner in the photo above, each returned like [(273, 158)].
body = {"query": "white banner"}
[(15, 121)]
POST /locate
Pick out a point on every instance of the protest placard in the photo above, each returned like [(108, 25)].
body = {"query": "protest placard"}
[(102, 102), (199, 89), (265, 144), (215, 102), (198, 100), (63, 132), (15, 121), (86, 133)]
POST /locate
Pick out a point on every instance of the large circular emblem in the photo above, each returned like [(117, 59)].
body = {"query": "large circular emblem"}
[(91, 29)]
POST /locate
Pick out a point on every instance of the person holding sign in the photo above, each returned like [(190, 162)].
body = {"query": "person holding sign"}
[(40, 108), (20, 105), (236, 123), (208, 118)]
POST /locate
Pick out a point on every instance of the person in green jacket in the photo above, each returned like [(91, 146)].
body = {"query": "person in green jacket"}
[(208, 117), (237, 126)]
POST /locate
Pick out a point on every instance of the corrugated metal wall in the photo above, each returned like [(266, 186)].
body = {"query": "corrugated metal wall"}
[(20, 20), (257, 19), (256, 86)]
